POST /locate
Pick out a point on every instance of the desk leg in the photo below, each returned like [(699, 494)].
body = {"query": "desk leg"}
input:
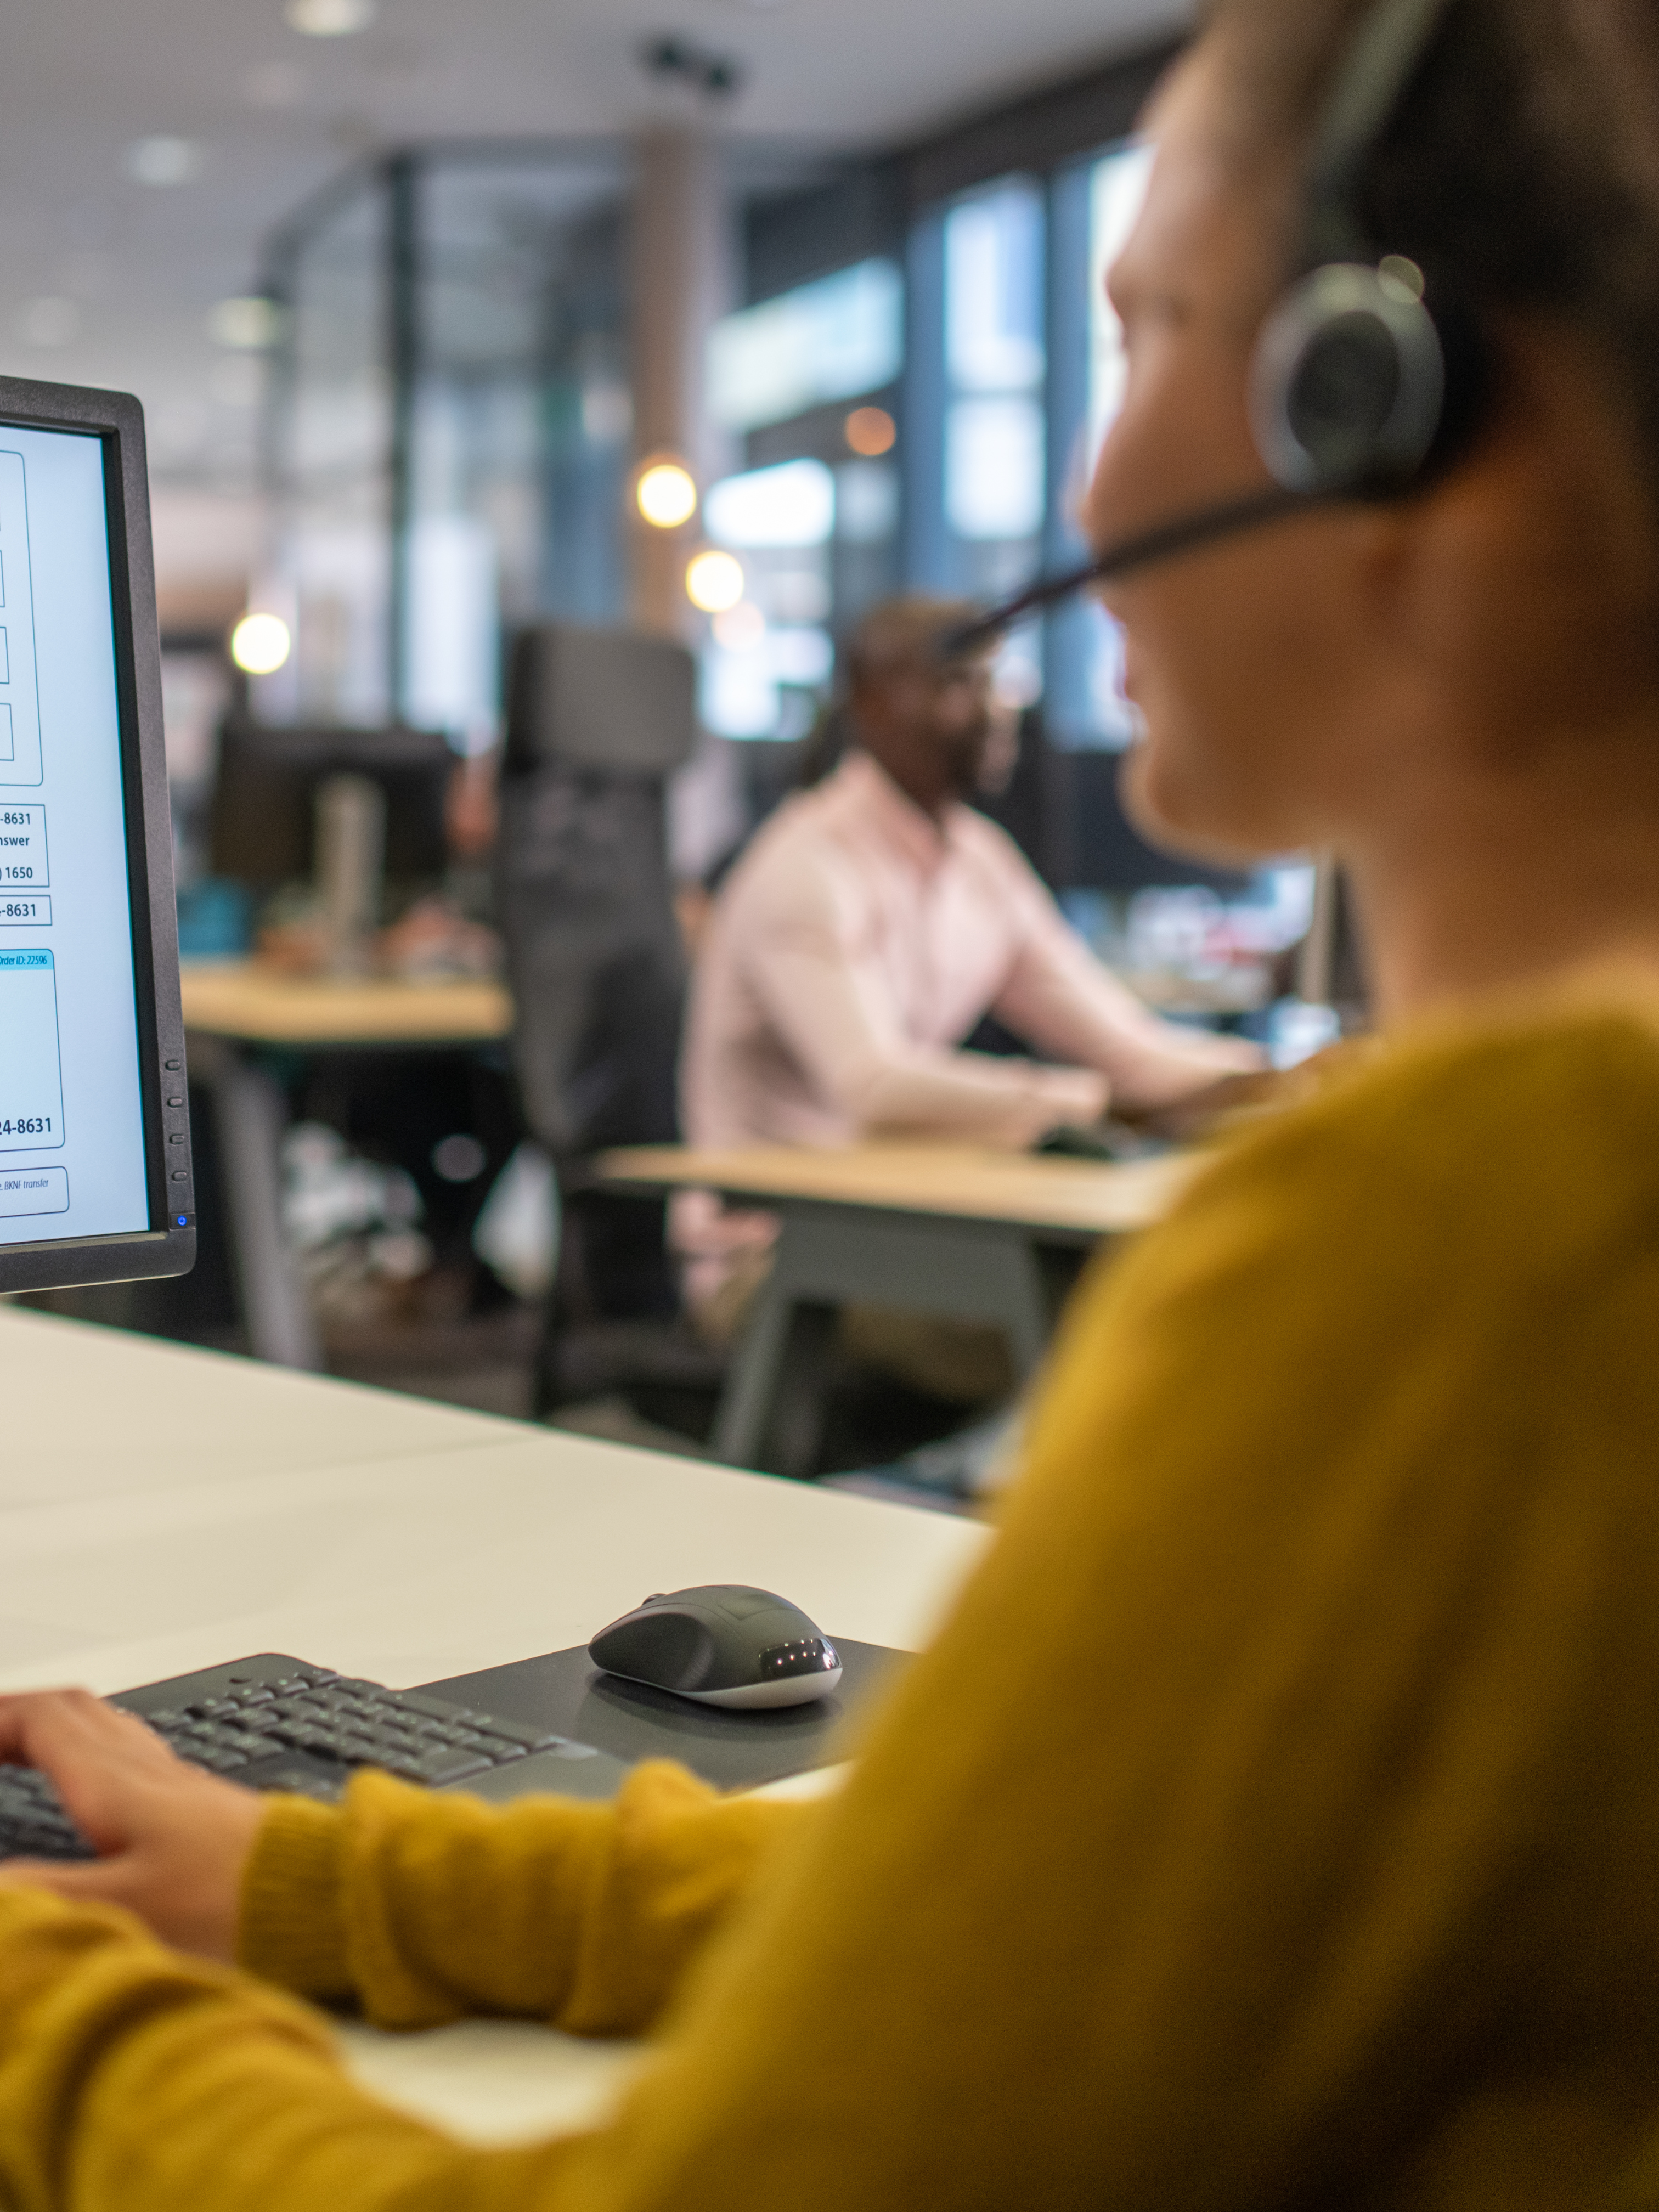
[(249, 1113), (773, 1395), (771, 1410)]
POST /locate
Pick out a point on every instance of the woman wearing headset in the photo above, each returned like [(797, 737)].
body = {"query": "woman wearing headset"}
[(1275, 1821)]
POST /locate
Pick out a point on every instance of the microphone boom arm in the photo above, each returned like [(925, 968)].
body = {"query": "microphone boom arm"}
[(1159, 543)]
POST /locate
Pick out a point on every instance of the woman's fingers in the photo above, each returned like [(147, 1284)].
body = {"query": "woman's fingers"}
[(38, 1727), (173, 1846), (95, 1757)]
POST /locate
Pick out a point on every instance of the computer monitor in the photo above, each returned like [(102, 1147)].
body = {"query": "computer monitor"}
[(262, 821), (95, 1178), (1094, 846)]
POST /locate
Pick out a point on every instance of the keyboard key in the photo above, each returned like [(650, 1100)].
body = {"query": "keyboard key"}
[(358, 1750), (438, 1709), (447, 1765), (528, 1737)]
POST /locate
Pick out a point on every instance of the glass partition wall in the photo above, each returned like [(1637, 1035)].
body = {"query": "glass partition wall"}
[(330, 441), (451, 433), (448, 442)]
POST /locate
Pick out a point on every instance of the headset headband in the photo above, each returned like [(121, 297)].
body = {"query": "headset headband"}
[(1392, 46)]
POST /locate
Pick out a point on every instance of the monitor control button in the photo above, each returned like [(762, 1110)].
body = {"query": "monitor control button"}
[(172, 1066), (181, 1175)]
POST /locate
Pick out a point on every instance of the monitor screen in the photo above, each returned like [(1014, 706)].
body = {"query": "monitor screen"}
[(84, 1140)]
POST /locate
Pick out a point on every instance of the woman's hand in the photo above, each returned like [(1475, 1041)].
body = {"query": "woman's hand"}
[(172, 1841)]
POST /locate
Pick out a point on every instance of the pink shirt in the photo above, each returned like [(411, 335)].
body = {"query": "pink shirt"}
[(855, 945)]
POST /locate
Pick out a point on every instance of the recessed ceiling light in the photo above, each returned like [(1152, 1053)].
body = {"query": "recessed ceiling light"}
[(164, 160), (329, 19), (248, 325), (52, 321)]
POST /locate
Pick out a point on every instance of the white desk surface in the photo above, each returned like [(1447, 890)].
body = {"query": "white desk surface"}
[(163, 1508)]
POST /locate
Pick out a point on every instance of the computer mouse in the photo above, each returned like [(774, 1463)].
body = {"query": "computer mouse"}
[(720, 1644)]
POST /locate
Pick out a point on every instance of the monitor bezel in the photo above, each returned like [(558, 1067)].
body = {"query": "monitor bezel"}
[(167, 1245)]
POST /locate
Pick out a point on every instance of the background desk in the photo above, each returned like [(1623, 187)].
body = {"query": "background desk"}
[(933, 1228), (232, 1007), (163, 1508)]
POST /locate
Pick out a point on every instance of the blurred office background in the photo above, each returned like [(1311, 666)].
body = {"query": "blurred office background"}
[(435, 312)]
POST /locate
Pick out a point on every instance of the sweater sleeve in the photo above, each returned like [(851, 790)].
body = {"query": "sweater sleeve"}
[(426, 1909), (1274, 1821)]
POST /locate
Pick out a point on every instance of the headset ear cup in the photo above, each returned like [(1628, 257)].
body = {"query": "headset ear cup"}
[(1348, 384)]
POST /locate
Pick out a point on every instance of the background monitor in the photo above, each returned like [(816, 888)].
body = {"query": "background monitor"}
[(262, 826), (95, 1178), (1094, 846)]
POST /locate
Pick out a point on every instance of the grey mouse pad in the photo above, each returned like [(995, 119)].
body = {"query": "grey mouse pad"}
[(733, 1750)]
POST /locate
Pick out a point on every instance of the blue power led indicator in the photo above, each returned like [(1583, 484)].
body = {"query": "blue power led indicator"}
[(184, 1221)]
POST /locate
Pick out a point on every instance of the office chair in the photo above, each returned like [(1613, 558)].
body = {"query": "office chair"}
[(597, 720)]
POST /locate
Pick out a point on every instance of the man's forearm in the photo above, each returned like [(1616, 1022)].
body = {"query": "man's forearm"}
[(967, 1096)]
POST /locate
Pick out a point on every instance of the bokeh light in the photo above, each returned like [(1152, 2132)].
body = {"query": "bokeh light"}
[(666, 495), (714, 582), (259, 644), (870, 431)]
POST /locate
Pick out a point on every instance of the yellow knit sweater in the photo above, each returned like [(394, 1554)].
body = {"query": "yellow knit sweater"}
[(1276, 1823)]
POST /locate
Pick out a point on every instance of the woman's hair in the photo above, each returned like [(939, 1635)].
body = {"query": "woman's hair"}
[(1521, 168)]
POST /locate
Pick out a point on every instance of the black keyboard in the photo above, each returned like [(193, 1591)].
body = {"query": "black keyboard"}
[(279, 1723)]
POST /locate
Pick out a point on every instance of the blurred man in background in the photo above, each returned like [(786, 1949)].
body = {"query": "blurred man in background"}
[(872, 924)]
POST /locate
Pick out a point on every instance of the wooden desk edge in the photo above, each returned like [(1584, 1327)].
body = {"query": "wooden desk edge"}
[(1140, 1192), (241, 1003)]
